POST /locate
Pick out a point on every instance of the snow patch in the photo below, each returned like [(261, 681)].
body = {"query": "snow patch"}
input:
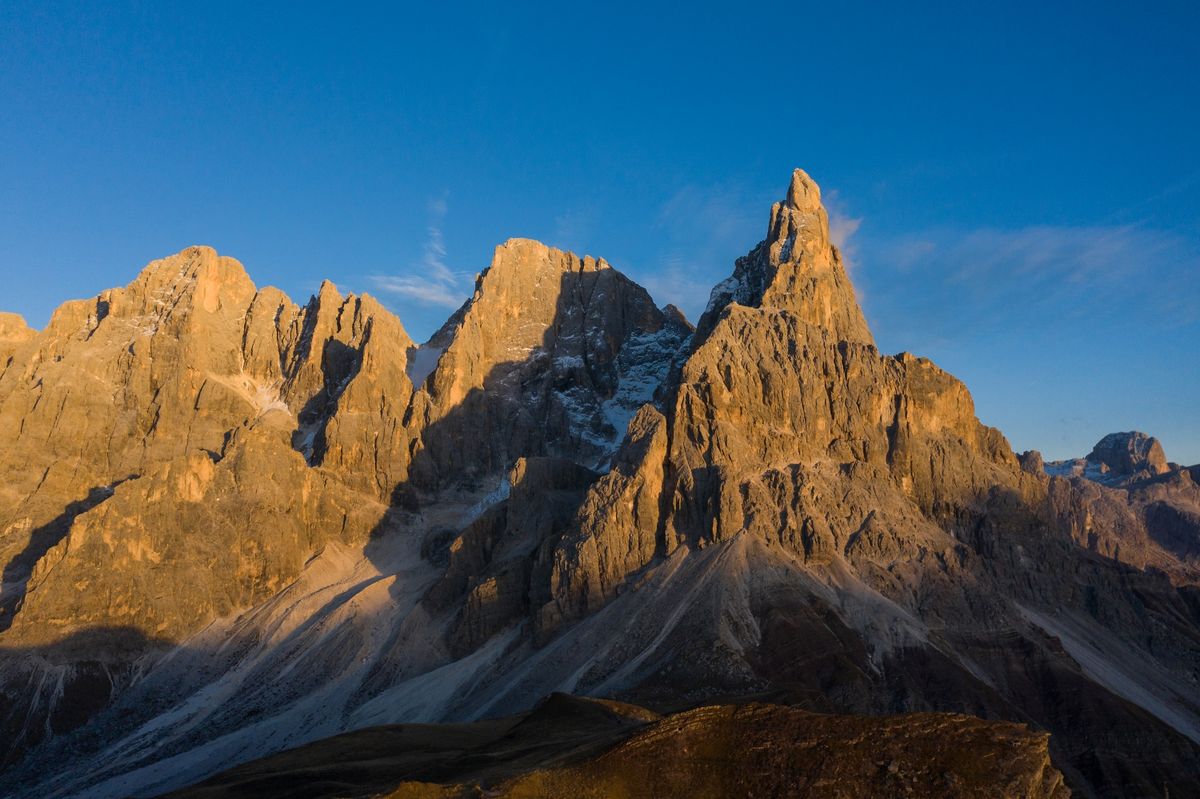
[(643, 365), (493, 497), (421, 363), (728, 289)]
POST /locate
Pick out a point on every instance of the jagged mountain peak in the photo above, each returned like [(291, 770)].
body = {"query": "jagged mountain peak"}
[(522, 253), (328, 293), (795, 269), (552, 354), (198, 269), (803, 194), (14, 331)]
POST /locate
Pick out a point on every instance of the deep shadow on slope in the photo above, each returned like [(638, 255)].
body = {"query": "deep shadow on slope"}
[(59, 687), (527, 409), (810, 658), (70, 675), (366, 762)]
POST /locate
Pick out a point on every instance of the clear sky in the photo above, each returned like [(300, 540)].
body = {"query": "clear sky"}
[(1017, 186)]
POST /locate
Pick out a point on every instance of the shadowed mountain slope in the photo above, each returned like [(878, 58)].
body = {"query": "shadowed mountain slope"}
[(315, 525)]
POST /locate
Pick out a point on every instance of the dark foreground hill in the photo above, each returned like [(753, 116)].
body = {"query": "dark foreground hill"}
[(591, 748)]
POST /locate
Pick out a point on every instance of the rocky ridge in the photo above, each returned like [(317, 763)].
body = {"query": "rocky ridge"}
[(1125, 501), (260, 524), (177, 450), (568, 746)]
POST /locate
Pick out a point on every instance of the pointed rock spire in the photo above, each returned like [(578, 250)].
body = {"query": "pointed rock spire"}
[(796, 269), (804, 194)]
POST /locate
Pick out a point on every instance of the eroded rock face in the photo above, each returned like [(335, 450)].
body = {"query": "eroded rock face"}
[(783, 379), (1126, 502), (566, 489), (936, 549), (163, 416), (551, 356), (795, 269), (1129, 453), (175, 451), (13, 333)]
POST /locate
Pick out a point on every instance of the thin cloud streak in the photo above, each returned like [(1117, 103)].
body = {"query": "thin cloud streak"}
[(843, 229), (702, 230), (426, 291), (437, 284), (977, 282)]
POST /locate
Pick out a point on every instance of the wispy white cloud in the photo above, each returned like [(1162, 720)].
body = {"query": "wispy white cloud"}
[(430, 292), (842, 228), (972, 282), (573, 228), (676, 283), (431, 281), (702, 229)]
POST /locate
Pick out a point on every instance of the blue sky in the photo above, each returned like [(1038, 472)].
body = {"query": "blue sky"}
[(1017, 187)]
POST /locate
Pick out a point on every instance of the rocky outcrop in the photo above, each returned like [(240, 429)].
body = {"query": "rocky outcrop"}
[(795, 269), (771, 751), (551, 356), (1130, 453), (1126, 502), (13, 333), (1118, 459), (774, 393), (577, 747), (492, 561)]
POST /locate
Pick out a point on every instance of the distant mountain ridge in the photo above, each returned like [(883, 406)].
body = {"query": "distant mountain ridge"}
[(1125, 501), (231, 524)]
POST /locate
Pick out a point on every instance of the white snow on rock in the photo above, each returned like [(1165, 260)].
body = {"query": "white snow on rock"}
[(642, 366), (1081, 467), (727, 290), (421, 363)]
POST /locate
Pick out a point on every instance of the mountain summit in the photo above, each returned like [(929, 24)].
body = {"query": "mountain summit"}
[(234, 525), (796, 268)]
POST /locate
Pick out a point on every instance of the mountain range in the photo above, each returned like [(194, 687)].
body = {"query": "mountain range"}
[(232, 525)]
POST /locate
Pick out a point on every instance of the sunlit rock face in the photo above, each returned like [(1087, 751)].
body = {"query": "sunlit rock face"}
[(551, 356), (784, 391), (233, 524), (159, 443)]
